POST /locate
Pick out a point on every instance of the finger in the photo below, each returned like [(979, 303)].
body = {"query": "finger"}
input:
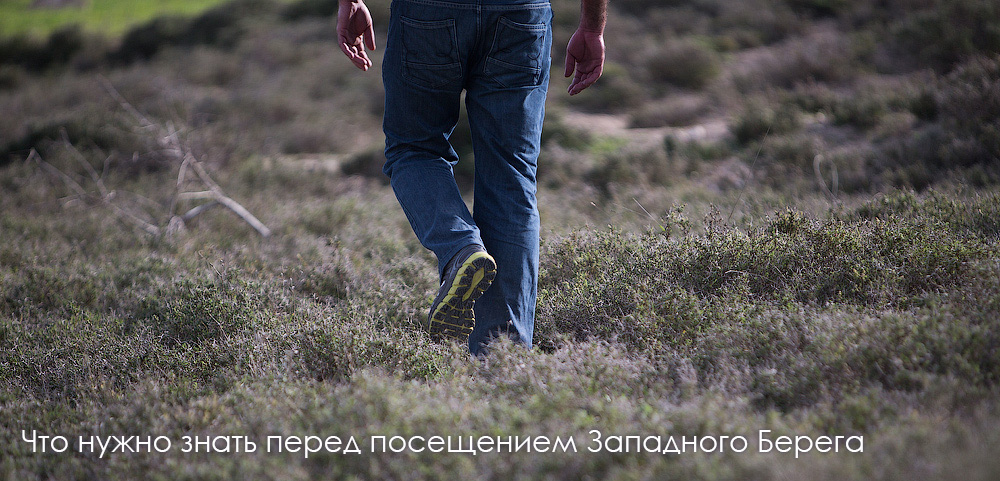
[(361, 62), (577, 87), (579, 82), (574, 87), (365, 61), (344, 47), (370, 37), (350, 49), (590, 78), (585, 81), (356, 54), (570, 62)]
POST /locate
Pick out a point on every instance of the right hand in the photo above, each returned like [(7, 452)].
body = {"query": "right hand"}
[(355, 31), (585, 55)]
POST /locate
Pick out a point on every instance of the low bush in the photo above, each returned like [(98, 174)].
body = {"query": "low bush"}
[(113, 139), (968, 105), (617, 91), (757, 121), (823, 56), (803, 314), (56, 50), (719, 295), (684, 64), (821, 8), (962, 140), (628, 168), (755, 23), (220, 26), (194, 311), (943, 33), (308, 8)]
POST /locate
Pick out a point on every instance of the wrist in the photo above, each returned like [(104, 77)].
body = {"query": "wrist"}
[(591, 29)]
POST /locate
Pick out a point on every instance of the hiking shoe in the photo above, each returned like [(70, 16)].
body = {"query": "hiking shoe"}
[(466, 277)]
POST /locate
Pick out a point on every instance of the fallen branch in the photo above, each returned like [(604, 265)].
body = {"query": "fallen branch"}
[(170, 143), (105, 198), (234, 206)]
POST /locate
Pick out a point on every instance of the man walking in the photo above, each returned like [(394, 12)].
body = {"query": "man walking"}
[(498, 52)]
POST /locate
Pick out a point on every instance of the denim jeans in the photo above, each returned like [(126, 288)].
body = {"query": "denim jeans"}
[(498, 52)]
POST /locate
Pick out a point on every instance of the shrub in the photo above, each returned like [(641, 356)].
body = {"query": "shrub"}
[(964, 138), (630, 168), (193, 311), (791, 258), (556, 130), (144, 41), (322, 8), (11, 77), (968, 105), (338, 353), (616, 91), (684, 64), (220, 26), (758, 120), (674, 111), (821, 8), (947, 32), (37, 55), (309, 8), (753, 23), (785, 158), (367, 163), (39, 290), (108, 135), (641, 7), (821, 57), (870, 286)]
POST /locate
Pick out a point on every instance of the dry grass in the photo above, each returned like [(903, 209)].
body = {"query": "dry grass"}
[(689, 287)]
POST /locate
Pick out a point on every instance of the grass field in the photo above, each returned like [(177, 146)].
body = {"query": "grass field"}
[(798, 234), (107, 17)]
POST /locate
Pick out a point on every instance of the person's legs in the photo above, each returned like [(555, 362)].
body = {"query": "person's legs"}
[(423, 76), (506, 104), (499, 52)]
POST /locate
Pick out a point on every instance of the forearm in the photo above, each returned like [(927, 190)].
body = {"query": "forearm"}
[(593, 15)]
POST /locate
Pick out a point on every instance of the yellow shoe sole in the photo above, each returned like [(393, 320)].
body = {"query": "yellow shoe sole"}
[(452, 315)]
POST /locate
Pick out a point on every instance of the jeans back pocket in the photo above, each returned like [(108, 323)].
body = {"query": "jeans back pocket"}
[(515, 60), (430, 52)]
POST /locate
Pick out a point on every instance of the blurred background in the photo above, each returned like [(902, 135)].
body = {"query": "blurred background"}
[(888, 93)]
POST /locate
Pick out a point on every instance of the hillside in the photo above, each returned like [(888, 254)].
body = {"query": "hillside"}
[(767, 219)]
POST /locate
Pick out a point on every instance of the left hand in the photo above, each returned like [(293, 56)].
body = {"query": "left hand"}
[(585, 55)]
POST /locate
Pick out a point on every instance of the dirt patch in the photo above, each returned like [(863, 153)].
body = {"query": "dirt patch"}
[(712, 130)]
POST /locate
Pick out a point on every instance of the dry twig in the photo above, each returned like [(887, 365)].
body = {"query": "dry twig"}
[(169, 140), (830, 191)]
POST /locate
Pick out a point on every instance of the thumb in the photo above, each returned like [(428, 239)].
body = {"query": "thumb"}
[(570, 63)]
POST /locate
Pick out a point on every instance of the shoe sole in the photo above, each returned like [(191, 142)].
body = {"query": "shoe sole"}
[(452, 316)]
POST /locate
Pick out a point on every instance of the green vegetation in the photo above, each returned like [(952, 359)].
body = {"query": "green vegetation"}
[(108, 17), (805, 238)]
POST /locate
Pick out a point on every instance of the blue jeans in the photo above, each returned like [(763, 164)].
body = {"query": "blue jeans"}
[(498, 52)]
